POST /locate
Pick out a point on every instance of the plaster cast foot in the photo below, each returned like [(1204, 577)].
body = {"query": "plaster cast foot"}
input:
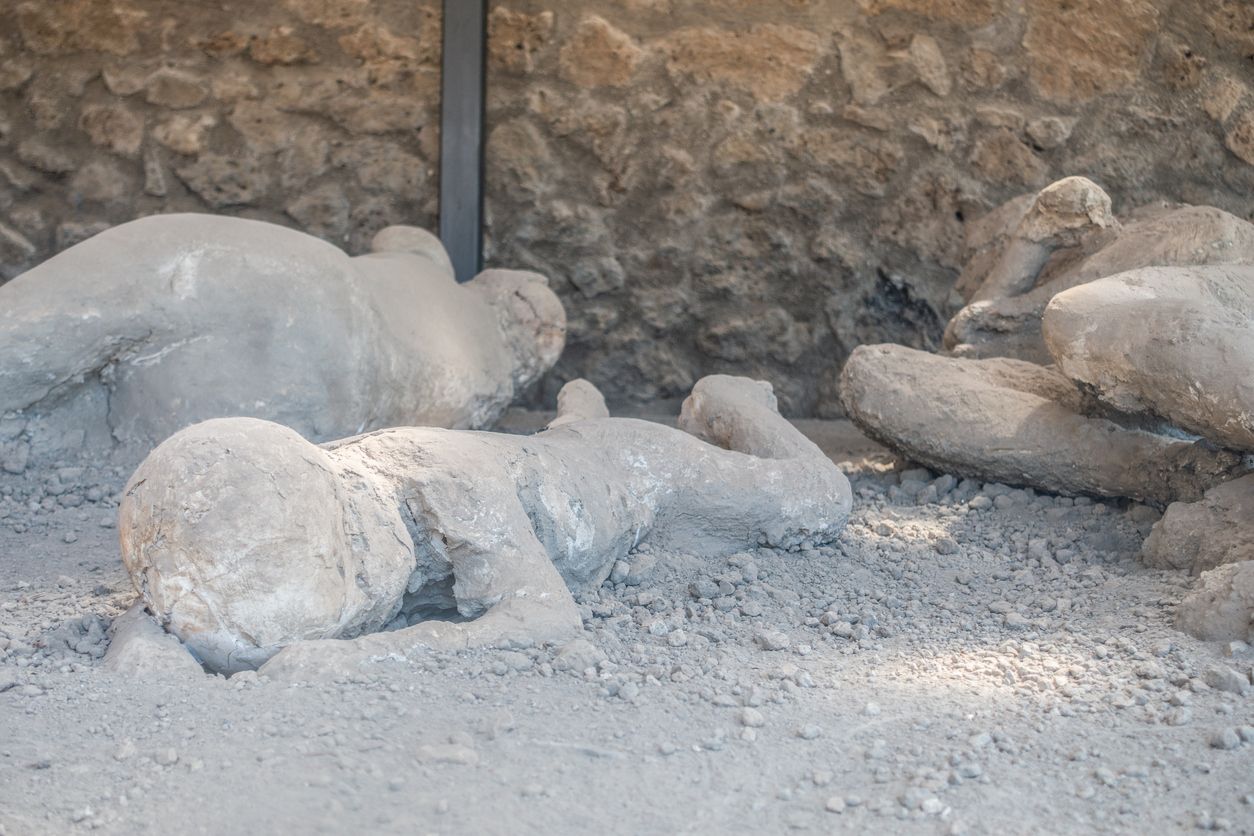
[(741, 414), (579, 400)]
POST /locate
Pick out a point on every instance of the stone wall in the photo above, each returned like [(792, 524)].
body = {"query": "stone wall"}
[(320, 114), (737, 185), (713, 185)]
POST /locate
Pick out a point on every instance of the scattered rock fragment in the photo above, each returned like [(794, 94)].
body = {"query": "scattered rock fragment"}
[(1224, 678), (1221, 605), (1201, 535), (772, 640), (140, 647), (1225, 739), (578, 655)]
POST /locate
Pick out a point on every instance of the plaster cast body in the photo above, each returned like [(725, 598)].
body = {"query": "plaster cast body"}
[(244, 539), (1177, 343), (1035, 247), (1011, 421), (156, 324)]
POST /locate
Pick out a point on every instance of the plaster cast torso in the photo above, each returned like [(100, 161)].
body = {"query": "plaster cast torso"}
[(588, 493)]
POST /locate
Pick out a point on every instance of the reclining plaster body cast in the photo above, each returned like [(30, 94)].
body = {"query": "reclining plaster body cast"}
[(156, 324), (244, 539)]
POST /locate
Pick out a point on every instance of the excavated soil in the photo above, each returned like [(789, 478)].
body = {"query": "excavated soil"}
[(968, 658)]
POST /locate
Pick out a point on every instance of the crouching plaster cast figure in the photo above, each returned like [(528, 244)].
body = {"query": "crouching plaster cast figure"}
[(154, 325), (1031, 249), (251, 544)]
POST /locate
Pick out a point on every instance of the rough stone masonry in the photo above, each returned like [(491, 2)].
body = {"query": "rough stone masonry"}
[(714, 185)]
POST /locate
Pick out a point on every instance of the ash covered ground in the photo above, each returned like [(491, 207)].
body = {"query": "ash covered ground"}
[(968, 658)]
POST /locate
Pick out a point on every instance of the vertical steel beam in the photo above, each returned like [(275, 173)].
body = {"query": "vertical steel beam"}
[(461, 134)]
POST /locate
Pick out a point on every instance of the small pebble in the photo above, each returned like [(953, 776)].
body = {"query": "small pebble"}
[(772, 640), (1225, 739), (1224, 678)]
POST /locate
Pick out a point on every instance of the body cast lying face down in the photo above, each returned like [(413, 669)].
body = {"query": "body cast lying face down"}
[(254, 546)]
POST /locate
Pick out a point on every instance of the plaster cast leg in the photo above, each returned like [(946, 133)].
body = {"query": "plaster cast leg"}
[(742, 415), (1005, 420)]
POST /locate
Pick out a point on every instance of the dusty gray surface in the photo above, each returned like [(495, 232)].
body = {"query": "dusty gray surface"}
[(993, 662)]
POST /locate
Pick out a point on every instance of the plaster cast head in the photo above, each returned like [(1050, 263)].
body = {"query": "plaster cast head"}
[(1066, 210), (239, 535), (530, 315)]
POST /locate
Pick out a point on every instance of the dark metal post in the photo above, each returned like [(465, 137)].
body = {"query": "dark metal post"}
[(461, 134)]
